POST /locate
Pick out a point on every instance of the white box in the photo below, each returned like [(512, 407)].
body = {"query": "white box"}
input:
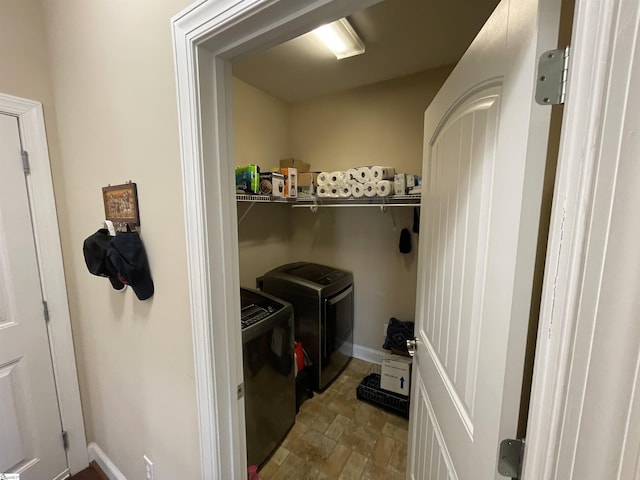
[(272, 183), (290, 182), (395, 374), (399, 184), (411, 181)]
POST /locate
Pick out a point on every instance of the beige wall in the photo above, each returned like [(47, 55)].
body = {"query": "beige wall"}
[(25, 70), (376, 124), (260, 126), (380, 124), (261, 134), (363, 241), (112, 71)]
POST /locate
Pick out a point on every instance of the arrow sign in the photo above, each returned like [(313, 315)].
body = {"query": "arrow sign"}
[(401, 383)]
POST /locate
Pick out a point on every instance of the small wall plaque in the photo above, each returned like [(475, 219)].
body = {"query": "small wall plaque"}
[(121, 204)]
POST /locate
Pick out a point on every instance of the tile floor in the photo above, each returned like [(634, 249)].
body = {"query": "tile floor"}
[(336, 436)]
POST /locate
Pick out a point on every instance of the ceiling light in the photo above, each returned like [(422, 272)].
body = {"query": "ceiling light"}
[(340, 38)]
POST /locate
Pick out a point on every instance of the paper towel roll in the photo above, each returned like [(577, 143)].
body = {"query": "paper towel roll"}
[(363, 174), (345, 191), (323, 178), (369, 189), (382, 173), (352, 174), (357, 190), (384, 188)]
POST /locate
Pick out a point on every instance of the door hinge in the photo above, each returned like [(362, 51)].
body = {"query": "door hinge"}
[(25, 162), (510, 458), (240, 390), (65, 440), (45, 308), (553, 72)]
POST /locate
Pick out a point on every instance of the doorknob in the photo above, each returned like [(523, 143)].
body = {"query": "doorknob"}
[(411, 346)]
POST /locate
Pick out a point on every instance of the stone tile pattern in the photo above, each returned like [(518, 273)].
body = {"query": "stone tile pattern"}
[(336, 436)]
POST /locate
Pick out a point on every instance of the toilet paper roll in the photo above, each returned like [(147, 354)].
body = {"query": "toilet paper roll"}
[(352, 174), (324, 191), (323, 178), (369, 189), (357, 190), (334, 191), (382, 173), (345, 191), (337, 177), (384, 188), (363, 174)]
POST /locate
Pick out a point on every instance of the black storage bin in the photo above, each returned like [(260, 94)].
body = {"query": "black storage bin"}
[(369, 390)]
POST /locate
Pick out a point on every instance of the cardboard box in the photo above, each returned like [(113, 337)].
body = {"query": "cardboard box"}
[(290, 182), (299, 165), (395, 374), (272, 183), (307, 179), (307, 183)]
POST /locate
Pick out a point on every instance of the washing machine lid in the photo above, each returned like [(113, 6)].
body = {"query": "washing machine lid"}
[(320, 274)]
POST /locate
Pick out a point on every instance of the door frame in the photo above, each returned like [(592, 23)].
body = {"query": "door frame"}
[(584, 133), (207, 35), (51, 269)]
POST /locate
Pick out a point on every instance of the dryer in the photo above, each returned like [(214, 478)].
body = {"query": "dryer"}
[(322, 300)]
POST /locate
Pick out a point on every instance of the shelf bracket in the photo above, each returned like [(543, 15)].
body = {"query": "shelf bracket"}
[(246, 212)]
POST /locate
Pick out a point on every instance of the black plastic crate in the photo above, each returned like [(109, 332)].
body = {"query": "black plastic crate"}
[(369, 390)]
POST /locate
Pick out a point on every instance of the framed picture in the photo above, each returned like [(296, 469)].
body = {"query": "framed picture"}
[(121, 203)]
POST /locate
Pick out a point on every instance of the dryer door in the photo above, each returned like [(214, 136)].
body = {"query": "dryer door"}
[(337, 335)]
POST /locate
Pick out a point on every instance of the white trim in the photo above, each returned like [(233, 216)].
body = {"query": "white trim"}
[(369, 354), (62, 475), (106, 465), (54, 290), (569, 230)]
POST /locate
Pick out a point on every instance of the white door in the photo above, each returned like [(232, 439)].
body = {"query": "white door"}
[(30, 428), (484, 157)]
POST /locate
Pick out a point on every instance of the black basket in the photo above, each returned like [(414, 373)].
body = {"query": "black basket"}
[(369, 390)]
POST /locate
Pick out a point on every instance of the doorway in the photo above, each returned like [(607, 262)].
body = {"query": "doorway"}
[(374, 122), (214, 70), (33, 173)]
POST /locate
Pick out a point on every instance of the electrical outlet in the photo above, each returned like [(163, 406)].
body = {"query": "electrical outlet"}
[(148, 467), (384, 334)]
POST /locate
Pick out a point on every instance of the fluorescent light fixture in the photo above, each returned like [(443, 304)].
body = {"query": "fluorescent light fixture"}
[(340, 38)]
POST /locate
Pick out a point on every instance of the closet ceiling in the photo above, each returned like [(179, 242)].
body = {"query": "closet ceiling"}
[(401, 37)]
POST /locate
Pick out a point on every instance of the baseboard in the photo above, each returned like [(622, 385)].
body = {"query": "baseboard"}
[(108, 467), (368, 354), (63, 475)]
